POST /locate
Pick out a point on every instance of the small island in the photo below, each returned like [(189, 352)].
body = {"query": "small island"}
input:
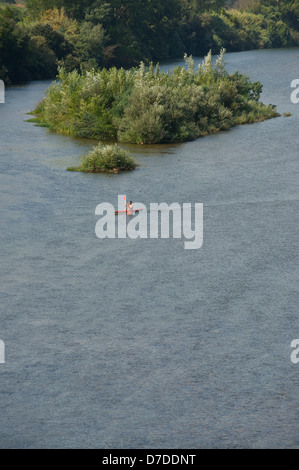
[(148, 106), (106, 159)]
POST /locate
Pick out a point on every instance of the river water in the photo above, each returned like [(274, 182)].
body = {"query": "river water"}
[(140, 343)]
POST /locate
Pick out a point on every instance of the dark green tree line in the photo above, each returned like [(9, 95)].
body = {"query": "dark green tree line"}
[(87, 34)]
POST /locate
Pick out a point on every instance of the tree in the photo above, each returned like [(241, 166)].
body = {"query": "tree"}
[(209, 5), (90, 42)]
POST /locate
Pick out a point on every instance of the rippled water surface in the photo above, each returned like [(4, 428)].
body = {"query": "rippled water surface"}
[(140, 343)]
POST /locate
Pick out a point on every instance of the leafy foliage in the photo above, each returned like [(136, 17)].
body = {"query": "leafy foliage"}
[(146, 105), (46, 34), (106, 158)]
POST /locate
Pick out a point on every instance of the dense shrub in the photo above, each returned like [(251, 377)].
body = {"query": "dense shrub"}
[(146, 105), (106, 158)]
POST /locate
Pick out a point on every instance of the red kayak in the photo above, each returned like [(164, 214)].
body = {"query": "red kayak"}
[(134, 211)]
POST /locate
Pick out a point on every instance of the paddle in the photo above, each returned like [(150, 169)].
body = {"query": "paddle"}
[(130, 212)]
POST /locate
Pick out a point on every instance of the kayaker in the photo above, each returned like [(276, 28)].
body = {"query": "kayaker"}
[(129, 206)]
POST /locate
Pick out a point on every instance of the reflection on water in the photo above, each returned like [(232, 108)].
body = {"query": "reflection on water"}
[(140, 343)]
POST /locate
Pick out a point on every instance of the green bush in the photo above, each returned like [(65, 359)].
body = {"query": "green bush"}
[(146, 105), (106, 158)]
